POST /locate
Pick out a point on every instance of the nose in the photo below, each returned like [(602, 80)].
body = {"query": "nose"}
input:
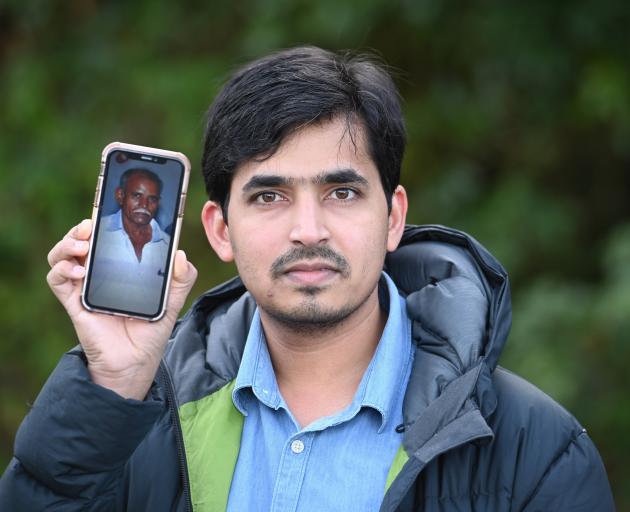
[(308, 223), (143, 201)]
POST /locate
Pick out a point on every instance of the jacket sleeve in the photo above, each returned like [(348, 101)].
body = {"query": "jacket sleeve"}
[(72, 447), (576, 481)]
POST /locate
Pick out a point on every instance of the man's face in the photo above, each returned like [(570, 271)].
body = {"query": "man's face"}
[(140, 199), (309, 227)]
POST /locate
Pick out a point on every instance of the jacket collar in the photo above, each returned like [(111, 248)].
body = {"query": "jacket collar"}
[(459, 302)]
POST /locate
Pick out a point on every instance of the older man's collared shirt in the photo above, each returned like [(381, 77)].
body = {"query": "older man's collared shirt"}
[(118, 279), (339, 462)]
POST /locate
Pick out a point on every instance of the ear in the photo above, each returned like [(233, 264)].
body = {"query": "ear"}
[(217, 230), (119, 194), (397, 218)]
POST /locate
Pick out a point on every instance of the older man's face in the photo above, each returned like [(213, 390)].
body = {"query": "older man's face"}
[(140, 199)]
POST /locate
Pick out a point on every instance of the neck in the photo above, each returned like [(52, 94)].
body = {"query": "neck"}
[(318, 372), (137, 232)]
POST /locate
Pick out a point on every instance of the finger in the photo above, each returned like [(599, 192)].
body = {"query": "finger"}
[(67, 248), (63, 280), (83, 230), (80, 232), (64, 271)]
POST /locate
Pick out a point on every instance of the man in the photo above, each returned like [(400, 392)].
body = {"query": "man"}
[(315, 381), (138, 196), (131, 246)]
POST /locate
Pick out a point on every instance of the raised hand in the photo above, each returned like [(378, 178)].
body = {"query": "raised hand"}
[(123, 354)]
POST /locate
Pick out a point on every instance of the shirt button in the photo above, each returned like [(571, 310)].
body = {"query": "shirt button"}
[(297, 446)]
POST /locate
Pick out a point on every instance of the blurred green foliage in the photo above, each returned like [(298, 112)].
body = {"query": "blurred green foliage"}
[(519, 132)]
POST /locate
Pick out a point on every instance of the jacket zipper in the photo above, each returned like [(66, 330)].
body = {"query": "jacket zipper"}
[(179, 438)]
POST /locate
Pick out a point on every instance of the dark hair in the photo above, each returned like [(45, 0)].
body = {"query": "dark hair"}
[(140, 170), (268, 99)]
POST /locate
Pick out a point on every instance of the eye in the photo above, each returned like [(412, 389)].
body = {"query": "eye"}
[(343, 194), (268, 198)]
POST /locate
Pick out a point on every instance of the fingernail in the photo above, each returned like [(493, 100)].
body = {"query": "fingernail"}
[(84, 224), (78, 270)]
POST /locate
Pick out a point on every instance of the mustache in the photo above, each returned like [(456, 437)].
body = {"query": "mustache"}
[(142, 210), (340, 264)]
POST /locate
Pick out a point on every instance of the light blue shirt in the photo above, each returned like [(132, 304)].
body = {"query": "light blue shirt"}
[(338, 462)]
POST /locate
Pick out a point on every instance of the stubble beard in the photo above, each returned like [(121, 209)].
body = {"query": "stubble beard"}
[(310, 317)]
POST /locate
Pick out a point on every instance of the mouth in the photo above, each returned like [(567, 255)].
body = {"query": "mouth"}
[(311, 273), (310, 267), (142, 211)]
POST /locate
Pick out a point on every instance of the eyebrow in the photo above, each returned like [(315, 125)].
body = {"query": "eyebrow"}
[(339, 176)]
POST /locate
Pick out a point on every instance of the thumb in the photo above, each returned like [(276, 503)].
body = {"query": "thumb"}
[(184, 273), (184, 276)]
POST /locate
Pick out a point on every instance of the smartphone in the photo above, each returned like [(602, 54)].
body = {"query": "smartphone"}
[(136, 219)]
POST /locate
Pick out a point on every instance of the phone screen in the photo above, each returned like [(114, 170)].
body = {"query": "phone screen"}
[(134, 233)]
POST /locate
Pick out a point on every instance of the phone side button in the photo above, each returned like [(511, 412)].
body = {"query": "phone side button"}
[(182, 204), (97, 194)]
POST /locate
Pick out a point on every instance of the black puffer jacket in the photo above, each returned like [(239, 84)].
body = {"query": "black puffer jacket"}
[(478, 437)]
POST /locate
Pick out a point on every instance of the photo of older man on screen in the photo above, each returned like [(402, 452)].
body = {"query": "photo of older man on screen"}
[(132, 247)]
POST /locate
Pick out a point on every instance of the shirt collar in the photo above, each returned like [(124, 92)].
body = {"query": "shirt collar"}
[(382, 382), (256, 371), (386, 376), (116, 224)]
